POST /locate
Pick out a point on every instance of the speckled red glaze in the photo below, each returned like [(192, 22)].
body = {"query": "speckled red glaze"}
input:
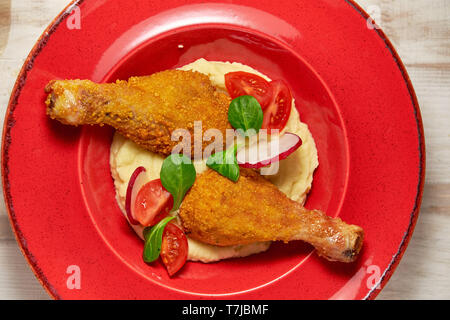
[(351, 89)]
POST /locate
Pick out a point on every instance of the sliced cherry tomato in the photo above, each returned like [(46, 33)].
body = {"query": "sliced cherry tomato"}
[(174, 248), (244, 83), (152, 203), (277, 113)]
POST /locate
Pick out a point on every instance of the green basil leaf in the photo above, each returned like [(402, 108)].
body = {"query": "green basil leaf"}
[(177, 176), (153, 240), (225, 163), (245, 115)]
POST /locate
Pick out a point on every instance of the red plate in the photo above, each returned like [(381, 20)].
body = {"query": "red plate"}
[(351, 89)]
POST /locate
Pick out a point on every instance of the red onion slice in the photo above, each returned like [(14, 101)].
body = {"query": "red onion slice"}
[(137, 180), (266, 152)]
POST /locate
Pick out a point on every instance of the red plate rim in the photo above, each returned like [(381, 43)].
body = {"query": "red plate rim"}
[(20, 82)]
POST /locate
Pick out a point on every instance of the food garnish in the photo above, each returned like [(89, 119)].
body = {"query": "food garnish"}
[(225, 163), (267, 151), (152, 203), (245, 115), (174, 248), (147, 202), (244, 83), (136, 182), (177, 176), (153, 240), (167, 240), (274, 97), (277, 113)]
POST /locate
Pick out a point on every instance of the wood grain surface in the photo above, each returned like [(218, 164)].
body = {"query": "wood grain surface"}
[(419, 30)]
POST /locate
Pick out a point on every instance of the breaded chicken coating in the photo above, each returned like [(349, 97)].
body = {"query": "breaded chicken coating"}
[(221, 212), (146, 109)]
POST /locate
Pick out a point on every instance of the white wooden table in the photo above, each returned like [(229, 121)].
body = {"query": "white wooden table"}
[(419, 29)]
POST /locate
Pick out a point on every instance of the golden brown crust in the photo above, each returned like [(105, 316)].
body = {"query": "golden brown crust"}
[(216, 210), (220, 212), (144, 109)]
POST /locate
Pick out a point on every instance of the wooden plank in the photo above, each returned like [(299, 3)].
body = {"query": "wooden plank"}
[(5, 22), (423, 271), (6, 232), (432, 89), (28, 20), (419, 29), (17, 281)]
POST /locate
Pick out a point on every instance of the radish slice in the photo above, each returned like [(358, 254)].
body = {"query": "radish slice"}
[(266, 152), (137, 180)]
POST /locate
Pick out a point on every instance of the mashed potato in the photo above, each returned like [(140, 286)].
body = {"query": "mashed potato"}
[(294, 177)]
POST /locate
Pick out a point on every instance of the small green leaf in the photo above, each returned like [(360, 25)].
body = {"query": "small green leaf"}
[(153, 240), (245, 115), (177, 176), (225, 163)]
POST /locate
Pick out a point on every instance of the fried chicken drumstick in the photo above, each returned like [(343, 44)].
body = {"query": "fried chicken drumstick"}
[(144, 109), (221, 212)]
